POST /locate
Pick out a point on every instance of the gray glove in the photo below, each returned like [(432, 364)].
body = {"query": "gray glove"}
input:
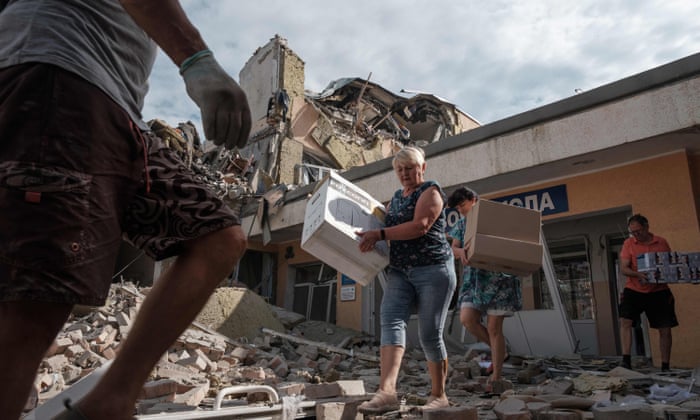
[(225, 111)]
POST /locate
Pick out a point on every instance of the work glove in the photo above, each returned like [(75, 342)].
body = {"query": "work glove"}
[(225, 112)]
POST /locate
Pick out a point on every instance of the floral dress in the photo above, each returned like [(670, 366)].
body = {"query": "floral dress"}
[(487, 291)]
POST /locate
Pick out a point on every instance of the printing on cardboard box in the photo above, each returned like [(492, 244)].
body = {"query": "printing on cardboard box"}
[(670, 267), (336, 210)]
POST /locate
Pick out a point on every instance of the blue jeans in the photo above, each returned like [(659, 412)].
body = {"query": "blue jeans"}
[(429, 289)]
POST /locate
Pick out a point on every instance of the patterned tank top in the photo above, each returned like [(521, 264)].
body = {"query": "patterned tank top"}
[(431, 248)]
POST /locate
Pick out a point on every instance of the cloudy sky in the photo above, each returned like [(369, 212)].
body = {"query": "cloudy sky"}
[(492, 59)]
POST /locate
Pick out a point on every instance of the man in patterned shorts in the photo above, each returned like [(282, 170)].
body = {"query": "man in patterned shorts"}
[(79, 171)]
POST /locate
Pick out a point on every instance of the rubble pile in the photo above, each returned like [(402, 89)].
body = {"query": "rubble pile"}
[(202, 361), (224, 170), (298, 362), (360, 111)]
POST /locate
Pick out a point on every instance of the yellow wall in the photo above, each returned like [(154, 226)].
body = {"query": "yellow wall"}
[(662, 190), (349, 313), (695, 179)]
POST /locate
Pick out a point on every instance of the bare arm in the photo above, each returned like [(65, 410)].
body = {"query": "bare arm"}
[(459, 251), (225, 112), (626, 269), (428, 209), (167, 24)]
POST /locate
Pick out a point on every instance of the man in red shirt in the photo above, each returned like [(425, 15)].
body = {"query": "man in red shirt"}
[(655, 300)]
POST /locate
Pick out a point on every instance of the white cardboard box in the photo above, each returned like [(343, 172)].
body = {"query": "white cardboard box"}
[(504, 238), (336, 210)]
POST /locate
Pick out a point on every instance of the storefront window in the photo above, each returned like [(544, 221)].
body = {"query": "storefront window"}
[(572, 269)]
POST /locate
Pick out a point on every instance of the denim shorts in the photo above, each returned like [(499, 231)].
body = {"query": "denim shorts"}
[(73, 184), (429, 290)]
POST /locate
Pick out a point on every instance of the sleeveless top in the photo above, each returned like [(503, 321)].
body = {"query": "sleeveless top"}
[(429, 249), (94, 39)]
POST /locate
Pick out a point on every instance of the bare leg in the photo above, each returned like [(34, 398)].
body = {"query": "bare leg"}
[(498, 345), (27, 329), (471, 319), (385, 399), (665, 341), (626, 335), (438, 377), (390, 364), (170, 307)]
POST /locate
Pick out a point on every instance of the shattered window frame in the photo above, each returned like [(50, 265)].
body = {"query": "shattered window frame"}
[(315, 291)]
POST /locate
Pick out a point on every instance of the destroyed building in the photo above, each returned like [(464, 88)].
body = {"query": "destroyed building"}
[(559, 159), (297, 134)]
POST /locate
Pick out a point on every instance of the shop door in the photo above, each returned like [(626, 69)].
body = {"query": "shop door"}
[(573, 272), (584, 258)]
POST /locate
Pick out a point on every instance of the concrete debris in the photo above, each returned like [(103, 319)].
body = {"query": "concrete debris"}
[(224, 170), (365, 113), (338, 373)]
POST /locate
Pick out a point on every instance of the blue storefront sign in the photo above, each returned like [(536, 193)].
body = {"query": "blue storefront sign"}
[(550, 200)]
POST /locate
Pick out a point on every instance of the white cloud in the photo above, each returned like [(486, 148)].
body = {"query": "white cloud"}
[(492, 60)]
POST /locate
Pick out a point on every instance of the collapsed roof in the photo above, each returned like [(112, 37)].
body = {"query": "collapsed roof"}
[(363, 109)]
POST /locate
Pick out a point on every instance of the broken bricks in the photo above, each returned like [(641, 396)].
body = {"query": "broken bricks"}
[(202, 362)]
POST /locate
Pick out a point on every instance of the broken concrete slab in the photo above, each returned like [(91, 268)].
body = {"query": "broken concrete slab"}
[(636, 411)]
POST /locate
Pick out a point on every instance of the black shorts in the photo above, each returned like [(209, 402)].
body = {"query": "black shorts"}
[(73, 185), (659, 307)]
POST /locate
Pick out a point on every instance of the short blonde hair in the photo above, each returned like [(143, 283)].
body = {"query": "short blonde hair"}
[(409, 155)]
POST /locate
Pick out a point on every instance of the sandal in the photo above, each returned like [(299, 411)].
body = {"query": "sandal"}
[(489, 370), (434, 402), (381, 403), (70, 413)]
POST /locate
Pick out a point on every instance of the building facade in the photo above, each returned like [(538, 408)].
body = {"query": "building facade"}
[(587, 162)]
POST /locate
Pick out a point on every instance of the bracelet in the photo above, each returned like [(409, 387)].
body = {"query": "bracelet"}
[(193, 58), (382, 234)]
